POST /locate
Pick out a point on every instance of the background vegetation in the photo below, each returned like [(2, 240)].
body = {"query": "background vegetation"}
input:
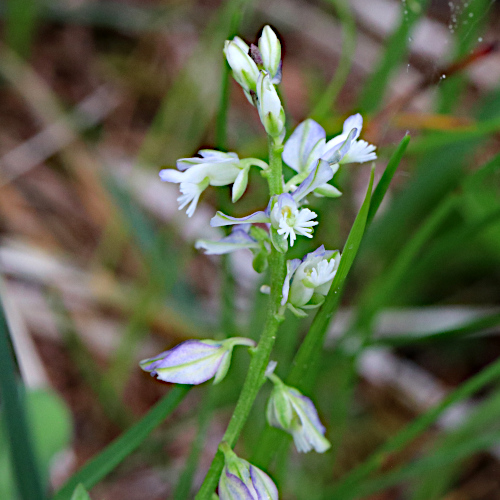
[(99, 270)]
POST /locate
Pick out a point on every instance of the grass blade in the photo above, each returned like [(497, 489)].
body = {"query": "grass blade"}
[(467, 328), (24, 464), (397, 46), (326, 102), (346, 489), (385, 180), (20, 25), (100, 466), (310, 350)]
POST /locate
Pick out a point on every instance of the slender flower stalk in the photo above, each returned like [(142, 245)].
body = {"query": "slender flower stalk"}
[(300, 285), (256, 373)]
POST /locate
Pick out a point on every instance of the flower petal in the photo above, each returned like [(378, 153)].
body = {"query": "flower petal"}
[(221, 219), (237, 240), (240, 184), (231, 487), (354, 121), (192, 362), (291, 267), (301, 143), (319, 176), (263, 484), (360, 152)]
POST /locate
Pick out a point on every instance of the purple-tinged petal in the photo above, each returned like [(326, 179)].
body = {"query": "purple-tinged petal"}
[(291, 267), (238, 239), (319, 176), (221, 219), (192, 362), (340, 149), (301, 143), (231, 487), (354, 121), (263, 484)]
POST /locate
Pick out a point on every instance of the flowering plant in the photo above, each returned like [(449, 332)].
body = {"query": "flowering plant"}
[(299, 285)]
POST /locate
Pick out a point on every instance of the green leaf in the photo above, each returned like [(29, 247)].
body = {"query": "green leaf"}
[(383, 184), (326, 102), (106, 461), (50, 423), (303, 372), (18, 434), (347, 488), (80, 493), (395, 51)]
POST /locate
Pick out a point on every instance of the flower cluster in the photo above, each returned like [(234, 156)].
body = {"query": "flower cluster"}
[(315, 161)]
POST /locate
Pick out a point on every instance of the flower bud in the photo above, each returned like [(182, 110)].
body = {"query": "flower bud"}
[(245, 71), (307, 282), (270, 53), (194, 361), (290, 410), (240, 480), (269, 106)]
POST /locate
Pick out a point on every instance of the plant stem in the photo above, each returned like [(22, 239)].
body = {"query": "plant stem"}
[(256, 372)]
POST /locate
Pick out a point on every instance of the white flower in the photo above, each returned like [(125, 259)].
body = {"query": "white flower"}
[(245, 71), (359, 151), (213, 168), (270, 53), (290, 410), (308, 281), (240, 480), (289, 220), (283, 211), (307, 145), (194, 361), (269, 106)]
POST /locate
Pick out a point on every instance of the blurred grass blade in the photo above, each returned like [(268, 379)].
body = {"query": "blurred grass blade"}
[(383, 289), (468, 27), (191, 101), (302, 373), (483, 418), (184, 486), (24, 464), (468, 328), (326, 102), (427, 464), (80, 493), (440, 139), (20, 25), (100, 466), (385, 180), (347, 488), (396, 48)]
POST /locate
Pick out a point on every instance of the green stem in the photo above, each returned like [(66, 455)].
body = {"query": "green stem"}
[(256, 373)]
